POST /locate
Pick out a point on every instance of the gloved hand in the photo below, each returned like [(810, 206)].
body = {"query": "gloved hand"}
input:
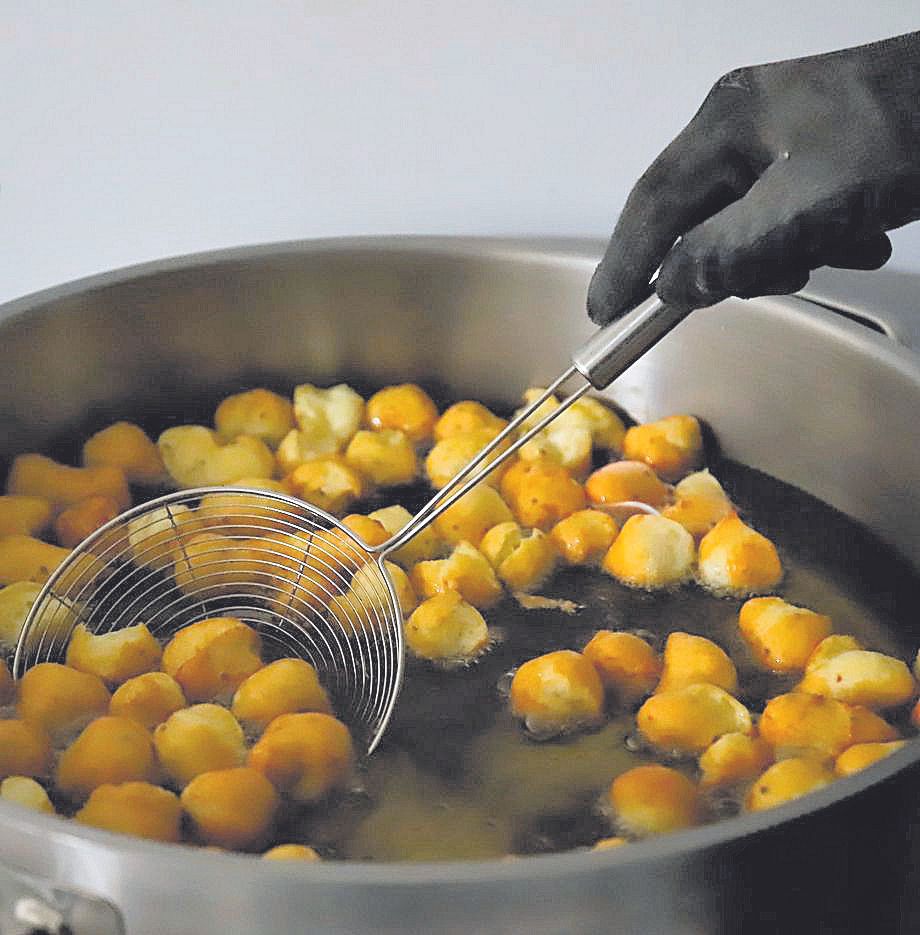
[(786, 167)]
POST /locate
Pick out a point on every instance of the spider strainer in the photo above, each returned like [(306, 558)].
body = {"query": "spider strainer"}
[(304, 581)]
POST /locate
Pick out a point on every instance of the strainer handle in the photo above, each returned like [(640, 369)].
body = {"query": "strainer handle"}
[(603, 357), (600, 361)]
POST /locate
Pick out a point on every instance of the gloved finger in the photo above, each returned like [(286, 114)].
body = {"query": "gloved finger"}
[(871, 253), (697, 175), (789, 217), (793, 279)]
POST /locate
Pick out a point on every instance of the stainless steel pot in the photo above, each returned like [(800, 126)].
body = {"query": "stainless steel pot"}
[(792, 388)]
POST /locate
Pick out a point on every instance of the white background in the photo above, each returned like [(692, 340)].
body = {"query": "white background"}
[(136, 130)]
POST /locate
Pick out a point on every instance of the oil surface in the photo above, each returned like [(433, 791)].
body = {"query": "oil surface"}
[(456, 776)]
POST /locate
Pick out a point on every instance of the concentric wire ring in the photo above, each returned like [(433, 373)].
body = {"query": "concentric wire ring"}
[(303, 581)]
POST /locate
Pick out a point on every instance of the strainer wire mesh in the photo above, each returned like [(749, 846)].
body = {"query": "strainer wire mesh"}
[(305, 583)]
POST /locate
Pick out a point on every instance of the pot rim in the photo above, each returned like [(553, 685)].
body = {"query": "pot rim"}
[(186, 859)]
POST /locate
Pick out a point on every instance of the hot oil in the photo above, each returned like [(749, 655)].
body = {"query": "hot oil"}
[(457, 777)]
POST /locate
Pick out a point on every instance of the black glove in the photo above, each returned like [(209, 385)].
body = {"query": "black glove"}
[(785, 168)]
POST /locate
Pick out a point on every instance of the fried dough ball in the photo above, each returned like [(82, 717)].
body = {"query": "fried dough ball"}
[(467, 571), (240, 514), (736, 560), (197, 740), (370, 531), (334, 413), (364, 606), (799, 724), (109, 750), (196, 456), (446, 629), (305, 756), (787, 780), (566, 441), (305, 572), (231, 808), (405, 593), (606, 844), (329, 483), (406, 408), (653, 799), (282, 687), (607, 429), (126, 446), (138, 808), (212, 657), (454, 452), (148, 699), (16, 601), (862, 755), (154, 536), (604, 426), (695, 660), (26, 792), (868, 727), (291, 852), (651, 552), (59, 698), (211, 563), (672, 446), (699, 503), (627, 665), (82, 519), (861, 677), (472, 516), (259, 413), (387, 457), (465, 417), (23, 558), (782, 636), (423, 546), (559, 692), (541, 493), (584, 537), (831, 646), (7, 685), (298, 448), (260, 483), (796, 724), (734, 758), (366, 602), (37, 476), (522, 561), (626, 481), (24, 516), (25, 749), (687, 720), (115, 657)]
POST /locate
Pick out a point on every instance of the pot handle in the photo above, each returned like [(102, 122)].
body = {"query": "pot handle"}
[(29, 906), (887, 301)]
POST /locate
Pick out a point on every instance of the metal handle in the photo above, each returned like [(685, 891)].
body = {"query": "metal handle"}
[(621, 343), (600, 361), (29, 905)]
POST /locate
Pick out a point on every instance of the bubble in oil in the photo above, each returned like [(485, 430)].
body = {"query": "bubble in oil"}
[(504, 683), (653, 639), (724, 801), (635, 743)]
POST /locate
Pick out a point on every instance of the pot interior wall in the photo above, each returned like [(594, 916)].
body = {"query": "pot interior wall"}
[(788, 388), (803, 395)]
